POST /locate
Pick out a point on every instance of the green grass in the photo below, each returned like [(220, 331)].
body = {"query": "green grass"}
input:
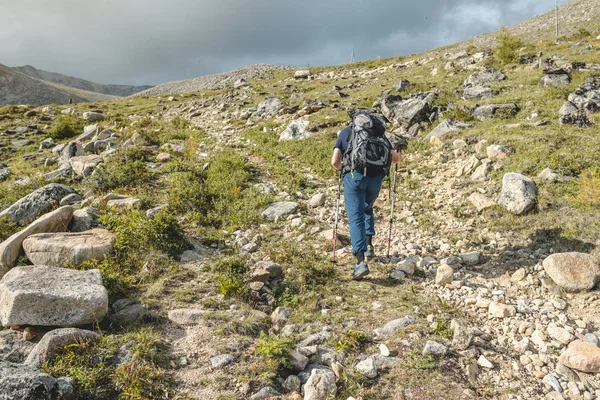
[(66, 127)]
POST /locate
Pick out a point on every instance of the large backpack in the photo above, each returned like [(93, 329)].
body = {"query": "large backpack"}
[(369, 151)]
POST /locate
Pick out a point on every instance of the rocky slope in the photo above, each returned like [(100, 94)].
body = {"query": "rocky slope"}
[(18, 88), (82, 84), (211, 82), (196, 231)]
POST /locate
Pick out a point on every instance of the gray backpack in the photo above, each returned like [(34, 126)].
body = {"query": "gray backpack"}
[(369, 151)]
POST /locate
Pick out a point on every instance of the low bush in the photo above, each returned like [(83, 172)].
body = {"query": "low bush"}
[(508, 46), (66, 126), (126, 169), (7, 228), (275, 351), (589, 188), (230, 274)]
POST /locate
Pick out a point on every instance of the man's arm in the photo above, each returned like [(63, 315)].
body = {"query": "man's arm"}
[(396, 156), (336, 159)]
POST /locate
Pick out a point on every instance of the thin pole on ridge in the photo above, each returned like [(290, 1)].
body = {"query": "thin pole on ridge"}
[(556, 6)]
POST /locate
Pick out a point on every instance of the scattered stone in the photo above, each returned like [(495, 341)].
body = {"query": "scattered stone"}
[(478, 92), (295, 130), (480, 78), (129, 203), (314, 339), (269, 107), (384, 350), (279, 210), (83, 220), (61, 249), (265, 393), (188, 316), (555, 80), (55, 221), (93, 116), (435, 349), (13, 347), (222, 360), (71, 199), (401, 86), (444, 275), (298, 361), (573, 271), (498, 310), (389, 329), (551, 381), (318, 200), (550, 176), (56, 340), (581, 356), (406, 113), (484, 362), (302, 74), (85, 165), (497, 152), (292, 384), (22, 382), (519, 193), (320, 385), (480, 201), (49, 296), (491, 110), (127, 313), (471, 259), (591, 338), (463, 336), (367, 368), (163, 157), (448, 125), (27, 209), (281, 315)]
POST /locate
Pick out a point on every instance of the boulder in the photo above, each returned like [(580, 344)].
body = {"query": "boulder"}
[(403, 85), (56, 221), (573, 271), (83, 220), (22, 382), (389, 329), (13, 347), (93, 116), (519, 193), (269, 107), (72, 149), (406, 113), (27, 209), (448, 125), (550, 176), (434, 349), (4, 172), (555, 80), (127, 313), (69, 248), (582, 356), (302, 74), (188, 316), (491, 110), (295, 130), (56, 340), (570, 114), (320, 385), (85, 165), (128, 203), (318, 200), (481, 201), (478, 92), (279, 210), (89, 132), (480, 78), (497, 152), (50, 296), (444, 275)]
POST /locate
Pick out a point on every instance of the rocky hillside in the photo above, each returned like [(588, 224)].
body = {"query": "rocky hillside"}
[(231, 79), (180, 247), (82, 84), (19, 88)]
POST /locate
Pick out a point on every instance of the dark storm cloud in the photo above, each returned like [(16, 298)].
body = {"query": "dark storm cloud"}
[(153, 41)]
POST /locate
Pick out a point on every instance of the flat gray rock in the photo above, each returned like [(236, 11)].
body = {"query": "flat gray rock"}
[(68, 249), (519, 193), (221, 360), (295, 130), (20, 382), (279, 210), (49, 296), (389, 329), (56, 340), (13, 347), (27, 209), (55, 221), (320, 385)]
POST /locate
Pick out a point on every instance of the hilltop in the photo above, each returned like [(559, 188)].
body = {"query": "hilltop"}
[(188, 235), (112, 90)]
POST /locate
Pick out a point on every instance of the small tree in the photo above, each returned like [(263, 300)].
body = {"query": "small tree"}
[(508, 46)]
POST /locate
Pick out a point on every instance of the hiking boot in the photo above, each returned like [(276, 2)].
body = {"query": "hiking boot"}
[(360, 271), (370, 253)]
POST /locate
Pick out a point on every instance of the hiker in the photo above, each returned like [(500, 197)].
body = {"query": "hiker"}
[(363, 173)]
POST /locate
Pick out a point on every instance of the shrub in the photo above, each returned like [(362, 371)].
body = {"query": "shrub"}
[(66, 126), (589, 188), (352, 341), (7, 228), (126, 169), (508, 46), (97, 377), (230, 274), (582, 33), (275, 351)]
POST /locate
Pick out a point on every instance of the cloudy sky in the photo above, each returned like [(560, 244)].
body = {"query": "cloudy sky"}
[(154, 41)]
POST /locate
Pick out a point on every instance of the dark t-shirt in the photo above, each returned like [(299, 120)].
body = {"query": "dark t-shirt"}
[(344, 138)]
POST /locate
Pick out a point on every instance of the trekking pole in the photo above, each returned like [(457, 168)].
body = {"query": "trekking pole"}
[(392, 212), (337, 212)]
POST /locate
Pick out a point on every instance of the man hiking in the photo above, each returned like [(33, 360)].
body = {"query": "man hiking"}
[(365, 154)]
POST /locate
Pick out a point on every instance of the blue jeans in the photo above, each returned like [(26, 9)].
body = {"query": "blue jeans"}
[(360, 193)]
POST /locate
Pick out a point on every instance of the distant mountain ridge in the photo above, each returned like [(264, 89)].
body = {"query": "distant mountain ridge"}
[(113, 90), (19, 88)]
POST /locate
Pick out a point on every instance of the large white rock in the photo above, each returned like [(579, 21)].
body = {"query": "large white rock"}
[(573, 271), (55, 340), (56, 221), (295, 130), (320, 385), (279, 210), (27, 209), (93, 116), (18, 381), (519, 193), (68, 249), (50, 296), (85, 165)]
